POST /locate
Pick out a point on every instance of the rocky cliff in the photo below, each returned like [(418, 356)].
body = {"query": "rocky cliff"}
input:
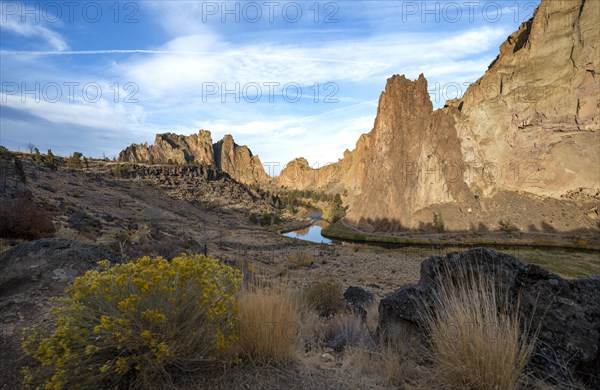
[(533, 116), (410, 153), (179, 149), (225, 155), (526, 131), (238, 161)]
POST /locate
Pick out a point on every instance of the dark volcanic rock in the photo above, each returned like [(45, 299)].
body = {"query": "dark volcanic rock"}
[(357, 298), (49, 262), (566, 313)]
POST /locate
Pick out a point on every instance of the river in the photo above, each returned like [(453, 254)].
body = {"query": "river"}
[(313, 232)]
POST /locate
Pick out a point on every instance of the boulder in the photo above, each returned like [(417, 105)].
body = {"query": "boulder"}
[(357, 298), (565, 313)]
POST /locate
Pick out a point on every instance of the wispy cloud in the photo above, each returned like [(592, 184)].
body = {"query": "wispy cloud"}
[(29, 29)]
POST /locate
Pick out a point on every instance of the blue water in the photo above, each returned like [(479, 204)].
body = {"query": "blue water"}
[(312, 233)]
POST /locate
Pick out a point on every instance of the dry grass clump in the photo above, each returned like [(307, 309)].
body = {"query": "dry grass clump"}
[(476, 340), (301, 260), (268, 321), (393, 362), (348, 330), (325, 298)]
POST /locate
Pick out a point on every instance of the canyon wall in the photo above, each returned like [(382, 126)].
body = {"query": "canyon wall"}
[(224, 155), (528, 127), (533, 116)]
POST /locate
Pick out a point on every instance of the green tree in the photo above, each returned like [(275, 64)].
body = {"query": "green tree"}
[(119, 169), (50, 160), (291, 209), (438, 222), (74, 162), (265, 219), (253, 218), (338, 209), (37, 156)]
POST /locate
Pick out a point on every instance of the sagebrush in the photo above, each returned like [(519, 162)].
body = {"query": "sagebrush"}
[(325, 298), (138, 324)]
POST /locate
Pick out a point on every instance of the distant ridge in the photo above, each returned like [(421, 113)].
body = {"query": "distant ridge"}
[(225, 155)]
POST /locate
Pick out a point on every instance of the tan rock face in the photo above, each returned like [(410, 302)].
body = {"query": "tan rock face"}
[(342, 177), (409, 160), (196, 148), (238, 161), (533, 116), (224, 155), (412, 158), (529, 124)]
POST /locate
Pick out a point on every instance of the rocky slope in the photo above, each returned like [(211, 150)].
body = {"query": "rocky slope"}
[(528, 126), (225, 155)]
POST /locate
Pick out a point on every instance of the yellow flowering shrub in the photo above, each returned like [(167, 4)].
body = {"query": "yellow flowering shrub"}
[(137, 324)]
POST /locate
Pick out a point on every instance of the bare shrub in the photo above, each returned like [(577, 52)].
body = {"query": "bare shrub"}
[(507, 226), (347, 330), (301, 259), (21, 218)]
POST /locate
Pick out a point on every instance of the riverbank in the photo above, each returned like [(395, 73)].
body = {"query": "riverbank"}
[(587, 242)]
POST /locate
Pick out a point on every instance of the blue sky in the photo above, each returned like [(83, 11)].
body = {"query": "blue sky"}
[(94, 76)]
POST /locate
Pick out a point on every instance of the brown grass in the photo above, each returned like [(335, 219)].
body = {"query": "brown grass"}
[(301, 260), (392, 363), (348, 330), (269, 321), (475, 343)]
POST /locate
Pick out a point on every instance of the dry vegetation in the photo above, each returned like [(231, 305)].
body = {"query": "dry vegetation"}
[(22, 218), (130, 334), (268, 321), (300, 334), (476, 337)]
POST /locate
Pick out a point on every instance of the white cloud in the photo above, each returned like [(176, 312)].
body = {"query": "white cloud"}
[(103, 114), (355, 61), (180, 18), (29, 29)]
